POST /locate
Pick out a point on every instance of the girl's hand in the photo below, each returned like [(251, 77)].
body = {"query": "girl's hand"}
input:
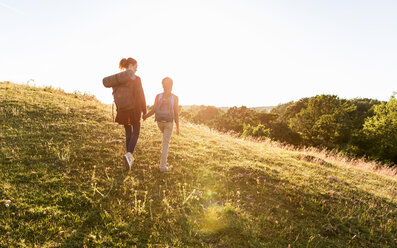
[(177, 131)]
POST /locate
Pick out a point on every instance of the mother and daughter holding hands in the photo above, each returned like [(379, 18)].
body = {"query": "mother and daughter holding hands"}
[(165, 109)]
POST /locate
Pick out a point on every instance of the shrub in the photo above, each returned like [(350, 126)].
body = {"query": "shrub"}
[(256, 131), (380, 131)]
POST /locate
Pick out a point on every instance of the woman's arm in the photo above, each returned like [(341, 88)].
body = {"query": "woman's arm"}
[(176, 114), (142, 98), (151, 112)]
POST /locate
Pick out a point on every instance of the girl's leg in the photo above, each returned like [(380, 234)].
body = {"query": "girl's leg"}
[(136, 128), (161, 126), (166, 129), (128, 134)]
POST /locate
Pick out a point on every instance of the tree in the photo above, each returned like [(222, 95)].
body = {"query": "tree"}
[(235, 118), (259, 131), (281, 108), (265, 118), (324, 122), (282, 132), (364, 109), (380, 132), (293, 109), (207, 115)]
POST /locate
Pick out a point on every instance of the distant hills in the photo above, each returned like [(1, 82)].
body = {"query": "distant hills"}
[(265, 109)]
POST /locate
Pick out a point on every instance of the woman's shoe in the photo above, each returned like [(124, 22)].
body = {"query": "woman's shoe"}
[(128, 160), (131, 159)]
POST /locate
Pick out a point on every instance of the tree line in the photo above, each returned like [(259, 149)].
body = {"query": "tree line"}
[(356, 127)]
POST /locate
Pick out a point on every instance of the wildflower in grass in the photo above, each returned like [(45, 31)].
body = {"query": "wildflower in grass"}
[(199, 193), (8, 201), (333, 178), (7, 205), (250, 199), (31, 210)]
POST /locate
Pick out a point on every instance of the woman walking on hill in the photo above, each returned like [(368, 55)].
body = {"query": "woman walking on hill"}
[(131, 119), (166, 112)]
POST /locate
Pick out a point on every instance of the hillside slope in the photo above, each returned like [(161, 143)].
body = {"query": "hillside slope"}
[(63, 184)]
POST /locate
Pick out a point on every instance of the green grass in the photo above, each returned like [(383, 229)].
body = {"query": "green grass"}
[(63, 184)]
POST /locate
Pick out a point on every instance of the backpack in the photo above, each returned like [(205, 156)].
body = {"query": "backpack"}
[(122, 89), (165, 109)]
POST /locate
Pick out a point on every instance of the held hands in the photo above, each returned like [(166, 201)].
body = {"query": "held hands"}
[(147, 115)]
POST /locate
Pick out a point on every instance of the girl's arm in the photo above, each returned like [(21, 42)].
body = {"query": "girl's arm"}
[(176, 114), (151, 112)]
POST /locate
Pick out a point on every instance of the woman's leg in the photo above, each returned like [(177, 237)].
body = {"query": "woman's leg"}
[(166, 129), (128, 134), (136, 128)]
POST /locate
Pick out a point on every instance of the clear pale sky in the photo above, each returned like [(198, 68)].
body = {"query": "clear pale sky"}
[(219, 52)]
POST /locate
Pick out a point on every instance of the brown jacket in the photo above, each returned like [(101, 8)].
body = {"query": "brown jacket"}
[(133, 116)]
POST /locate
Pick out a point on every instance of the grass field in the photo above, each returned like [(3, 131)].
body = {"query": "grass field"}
[(63, 184)]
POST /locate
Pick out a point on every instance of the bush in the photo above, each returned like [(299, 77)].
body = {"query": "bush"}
[(380, 131), (281, 132), (256, 131)]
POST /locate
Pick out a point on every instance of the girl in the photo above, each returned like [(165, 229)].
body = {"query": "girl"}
[(131, 119), (166, 112)]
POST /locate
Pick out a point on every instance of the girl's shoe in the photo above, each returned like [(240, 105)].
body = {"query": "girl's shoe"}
[(165, 169)]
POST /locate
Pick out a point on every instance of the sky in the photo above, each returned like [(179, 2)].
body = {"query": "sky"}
[(218, 52)]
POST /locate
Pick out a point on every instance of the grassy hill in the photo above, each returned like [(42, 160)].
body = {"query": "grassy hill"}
[(63, 184)]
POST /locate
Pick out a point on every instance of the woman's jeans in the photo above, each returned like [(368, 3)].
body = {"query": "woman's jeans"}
[(166, 129), (131, 136)]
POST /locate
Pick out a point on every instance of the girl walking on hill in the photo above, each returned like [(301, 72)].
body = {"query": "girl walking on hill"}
[(165, 109), (131, 119)]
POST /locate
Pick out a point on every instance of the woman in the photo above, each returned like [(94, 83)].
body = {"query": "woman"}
[(131, 119), (166, 112)]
